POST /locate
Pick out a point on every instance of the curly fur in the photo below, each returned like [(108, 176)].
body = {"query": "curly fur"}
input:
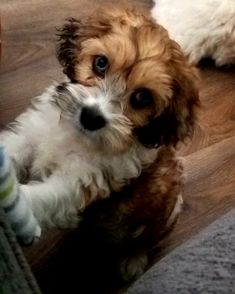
[(204, 28), (126, 226), (69, 167)]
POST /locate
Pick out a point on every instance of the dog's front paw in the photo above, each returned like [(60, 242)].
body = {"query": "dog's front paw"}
[(133, 267), (27, 229), (176, 211)]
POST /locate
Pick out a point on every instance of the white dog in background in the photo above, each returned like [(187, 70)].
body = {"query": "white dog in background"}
[(203, 28)]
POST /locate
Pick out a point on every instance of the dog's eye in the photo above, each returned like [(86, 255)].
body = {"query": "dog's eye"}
[(100, 65), (141, 98)]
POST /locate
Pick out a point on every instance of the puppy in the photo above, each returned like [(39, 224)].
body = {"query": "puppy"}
[(127, 225), (131, 91), (205, 28)]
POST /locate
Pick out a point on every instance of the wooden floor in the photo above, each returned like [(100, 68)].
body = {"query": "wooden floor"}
[(28, 65)]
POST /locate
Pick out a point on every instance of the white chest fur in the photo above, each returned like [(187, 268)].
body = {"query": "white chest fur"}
[(71, 174)]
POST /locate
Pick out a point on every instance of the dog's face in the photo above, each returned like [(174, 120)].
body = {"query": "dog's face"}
[(138, 84)]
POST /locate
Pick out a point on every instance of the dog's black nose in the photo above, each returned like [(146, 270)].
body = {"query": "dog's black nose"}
[(91, 119)]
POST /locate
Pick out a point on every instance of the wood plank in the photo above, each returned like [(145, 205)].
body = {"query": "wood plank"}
[(209, 191)]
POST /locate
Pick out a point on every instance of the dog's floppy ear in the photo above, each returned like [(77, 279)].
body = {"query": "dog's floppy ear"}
[(177, 120), (68, 47), (71, 36)]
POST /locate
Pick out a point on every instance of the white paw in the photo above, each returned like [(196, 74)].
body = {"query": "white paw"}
[(176, 211), (133, 267)]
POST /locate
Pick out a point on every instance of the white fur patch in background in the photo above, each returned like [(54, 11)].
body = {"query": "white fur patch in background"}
[(203, 28)]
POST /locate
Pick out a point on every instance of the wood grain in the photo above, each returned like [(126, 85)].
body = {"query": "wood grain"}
[(209, 191), (28, 65)]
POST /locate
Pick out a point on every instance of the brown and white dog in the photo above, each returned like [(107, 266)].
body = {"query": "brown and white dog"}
[(159, 97), (131, 96)]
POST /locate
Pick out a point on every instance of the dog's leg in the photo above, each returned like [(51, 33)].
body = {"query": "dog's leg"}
[(53, 202), (133, 267), (18, 149), (176, 211)]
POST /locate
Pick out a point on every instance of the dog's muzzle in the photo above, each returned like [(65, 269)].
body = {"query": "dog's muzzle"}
[(91, 119)]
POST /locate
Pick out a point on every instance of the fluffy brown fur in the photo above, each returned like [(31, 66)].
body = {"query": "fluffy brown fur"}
[(130, 223), (142, 56)]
